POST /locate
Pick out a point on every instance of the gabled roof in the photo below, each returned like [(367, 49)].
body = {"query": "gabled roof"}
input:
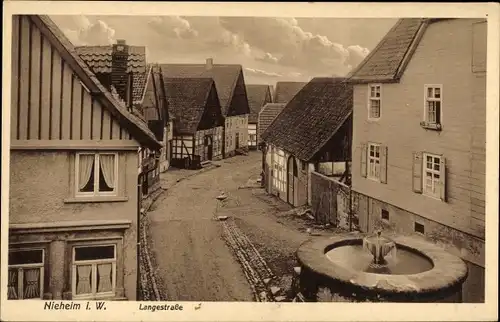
[(267, 115), (388, 60), (187, 100), (311, 118), (137, 128), (99, 58), (139, 82), (224, 76), (285, 91), (257, 95)]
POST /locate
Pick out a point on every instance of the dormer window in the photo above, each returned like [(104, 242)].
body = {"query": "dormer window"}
[(374, 101)]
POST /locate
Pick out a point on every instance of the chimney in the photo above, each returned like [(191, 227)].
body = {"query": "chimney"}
[(119, 76), (209, 63)]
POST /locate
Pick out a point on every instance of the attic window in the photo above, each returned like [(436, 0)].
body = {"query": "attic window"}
[(374, 101), (433, 107)]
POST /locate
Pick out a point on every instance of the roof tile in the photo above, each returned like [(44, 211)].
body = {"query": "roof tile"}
[(312, 117), (258, 96)]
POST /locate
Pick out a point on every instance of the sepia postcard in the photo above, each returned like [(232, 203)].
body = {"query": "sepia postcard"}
[(176, 161)]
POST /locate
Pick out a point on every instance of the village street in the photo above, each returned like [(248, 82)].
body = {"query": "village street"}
[(192, 259)]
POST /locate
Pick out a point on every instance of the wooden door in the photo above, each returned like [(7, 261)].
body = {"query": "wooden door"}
[(237, 140), (291, 177)]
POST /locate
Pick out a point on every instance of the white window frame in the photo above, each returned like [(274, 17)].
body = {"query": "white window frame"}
[(371, 161), (93, 263), (20, 274), (96, 192), (374, 98), (435, 182), (427, 99), (279, 176)]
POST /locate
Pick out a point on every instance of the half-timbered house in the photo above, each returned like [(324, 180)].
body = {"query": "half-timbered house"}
[(198, 127), (258, 96), (73, 203), (419, 141), (230, 85), (313, 129)]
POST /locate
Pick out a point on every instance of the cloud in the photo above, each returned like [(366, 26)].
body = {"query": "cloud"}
[(173, 26), (81, 31), (260, 72), (356, 55), (284, 38), (268, 58)]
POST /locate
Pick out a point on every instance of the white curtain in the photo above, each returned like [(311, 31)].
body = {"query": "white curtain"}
[(83, 285), (86, 162), (104, 271), (108, 168), (32, 283), (12, 285)]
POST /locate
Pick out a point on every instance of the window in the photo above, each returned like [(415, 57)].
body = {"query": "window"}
[(432, 174), (96, 174), (374, 101), (419, 228), (94, 271), (374, 161), (26, 270), (433, 100), (279, 170), (385, 215)]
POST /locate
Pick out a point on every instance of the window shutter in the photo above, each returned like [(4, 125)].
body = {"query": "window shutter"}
[(417, 172), (363, 159), (442, 179), (383, 164)]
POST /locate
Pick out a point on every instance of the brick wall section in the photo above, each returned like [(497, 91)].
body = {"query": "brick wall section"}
[(444, 57)]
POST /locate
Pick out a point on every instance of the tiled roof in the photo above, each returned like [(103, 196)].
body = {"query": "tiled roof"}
[(132, 123), (224, 76), (99, 58), (258, 96), (388, 59), (139, 81), (267, 115), (312, 117), (285, 91), (187, 100)]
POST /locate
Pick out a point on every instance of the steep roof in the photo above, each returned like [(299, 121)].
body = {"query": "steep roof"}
[(267, 115), (137, 128), (99, 58), (388, 60), (224, 76), (187, 100), (258, 96), (139, 82), (285, 91), (312, 117)]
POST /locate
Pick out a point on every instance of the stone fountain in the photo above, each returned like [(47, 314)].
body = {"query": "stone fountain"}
[(377, 268)]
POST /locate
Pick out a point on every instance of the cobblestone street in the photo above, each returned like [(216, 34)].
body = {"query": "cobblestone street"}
[(249, 256)]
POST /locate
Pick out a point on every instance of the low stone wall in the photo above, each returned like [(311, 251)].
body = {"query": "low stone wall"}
[(375, 214)]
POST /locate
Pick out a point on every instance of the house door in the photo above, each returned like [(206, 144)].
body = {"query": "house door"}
[(292, 176), (209, 151), (237, 140)]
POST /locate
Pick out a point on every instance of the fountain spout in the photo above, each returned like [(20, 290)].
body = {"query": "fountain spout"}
[(379, 246)]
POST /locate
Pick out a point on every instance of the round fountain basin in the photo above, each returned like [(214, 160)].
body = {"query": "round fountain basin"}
[(420, 272), (355, 257)]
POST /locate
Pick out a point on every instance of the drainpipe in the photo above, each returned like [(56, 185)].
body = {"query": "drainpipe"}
[(139, 193)]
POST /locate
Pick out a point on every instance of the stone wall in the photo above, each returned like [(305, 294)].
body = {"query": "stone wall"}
[(471, 249)]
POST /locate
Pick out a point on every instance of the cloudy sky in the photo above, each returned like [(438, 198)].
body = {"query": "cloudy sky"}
[(269, 49)]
